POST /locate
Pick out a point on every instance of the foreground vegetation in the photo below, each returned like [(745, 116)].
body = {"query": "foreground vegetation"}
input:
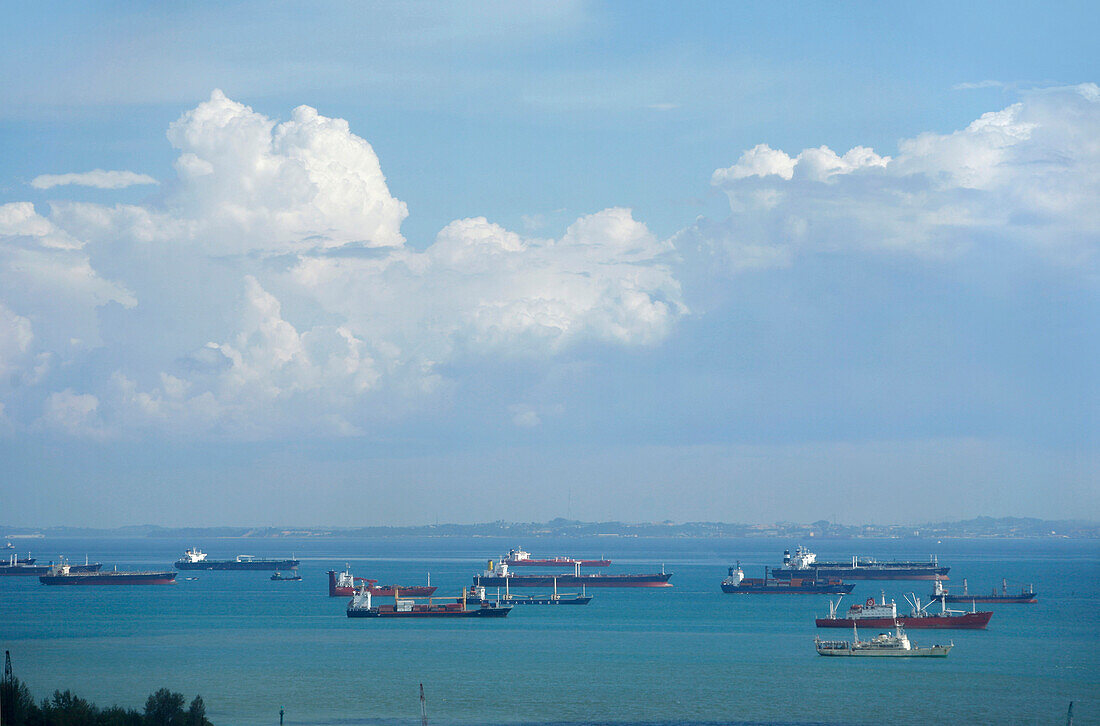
[(163, 708)]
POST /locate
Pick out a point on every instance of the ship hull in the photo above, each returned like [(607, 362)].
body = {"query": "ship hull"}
[(557, 563), (16, 570), (936, 651), (429, 611), (990, 599), (410, 591), (967, 621), (864, 573), (111, 578), (657, 580), (782, 588), (237, 565)]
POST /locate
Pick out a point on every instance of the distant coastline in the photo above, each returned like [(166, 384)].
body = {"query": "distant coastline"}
[(979, 527)]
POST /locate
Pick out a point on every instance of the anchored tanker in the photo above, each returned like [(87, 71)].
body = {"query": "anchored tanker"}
[(195, 559), (500, 576), (804, 564)]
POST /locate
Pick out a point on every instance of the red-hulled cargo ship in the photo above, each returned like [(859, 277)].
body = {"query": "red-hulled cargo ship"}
[(499, 576), (1027, 595), (342, 584), (884, 614), (63, 575), (521, 558), (361, 606)]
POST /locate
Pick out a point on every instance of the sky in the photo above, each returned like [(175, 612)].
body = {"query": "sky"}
[(356, 264)]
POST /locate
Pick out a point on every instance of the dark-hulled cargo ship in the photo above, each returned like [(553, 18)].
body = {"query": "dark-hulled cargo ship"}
[(361, 606), (1027, 595), (738, 583), (804, 564), (64, 575), (26, 566), (195, 559), (499, 576), (519, 557), (343, 584)]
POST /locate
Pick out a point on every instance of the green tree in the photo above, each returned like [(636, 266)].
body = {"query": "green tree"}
[(164, 708), (17, 706)]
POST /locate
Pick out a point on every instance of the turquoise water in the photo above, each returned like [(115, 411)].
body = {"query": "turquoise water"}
[(686, 654)]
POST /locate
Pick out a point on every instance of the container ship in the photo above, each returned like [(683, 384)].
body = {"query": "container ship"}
[(884, 614), (737, 582), (361, 606), (521, 558), (64, 575), (499, 576), (1027, 595), (804, 564), (194, 559), (342, 584)]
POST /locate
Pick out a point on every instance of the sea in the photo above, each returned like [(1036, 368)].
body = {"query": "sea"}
[(688, 654)]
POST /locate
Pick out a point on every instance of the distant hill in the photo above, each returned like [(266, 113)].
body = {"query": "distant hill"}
[(971, 528)]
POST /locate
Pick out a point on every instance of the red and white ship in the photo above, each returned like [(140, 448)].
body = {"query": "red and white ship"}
[(519, 557), (884, 614), (342, 584)]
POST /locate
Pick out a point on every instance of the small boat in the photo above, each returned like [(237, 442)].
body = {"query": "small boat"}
[(1027, 595), (890, 645), (884, 614), (518, 557), (361, 606), (9, 546), (292, 577), (738, 583)]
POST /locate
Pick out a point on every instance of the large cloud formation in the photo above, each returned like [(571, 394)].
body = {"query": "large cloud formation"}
[(1027, 176), (279, 293)]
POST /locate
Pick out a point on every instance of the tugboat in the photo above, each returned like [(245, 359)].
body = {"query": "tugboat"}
[(195, 559), (1026, 596), (804, 563), (499, 576), (895, 645), (518, 557), (737, 582), (343, 584), (361, 606), (884, 614)]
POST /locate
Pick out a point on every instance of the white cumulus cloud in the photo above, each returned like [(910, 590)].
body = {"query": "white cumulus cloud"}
[(1026, 175), (97, 178)]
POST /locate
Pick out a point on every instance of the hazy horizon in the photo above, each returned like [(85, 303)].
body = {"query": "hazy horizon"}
[(398, 264)]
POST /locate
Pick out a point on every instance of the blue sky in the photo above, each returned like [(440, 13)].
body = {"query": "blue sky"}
[(398, 263)]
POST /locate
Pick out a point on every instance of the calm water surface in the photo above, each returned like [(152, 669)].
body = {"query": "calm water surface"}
[(686, 654)]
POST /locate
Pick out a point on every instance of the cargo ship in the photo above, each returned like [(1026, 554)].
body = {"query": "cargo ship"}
[(890, 645), (63, 575), (86, 567), (343, 584), (16, 566), (521, 558), (499, 576), (1027, 595), (292, 577), (361, 606), (884, 614), (737, 582), (194, 559), (804, 564), (478, 594)]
